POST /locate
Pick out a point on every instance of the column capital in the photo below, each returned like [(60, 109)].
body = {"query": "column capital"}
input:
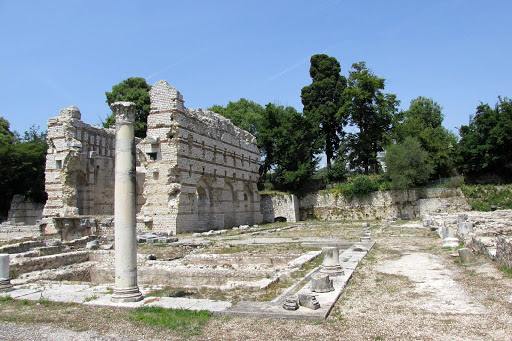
[(124, 111)]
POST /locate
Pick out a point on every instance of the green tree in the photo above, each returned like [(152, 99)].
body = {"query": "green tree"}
[(407, 164), (134, 89), (322, 101), (286, 140), (22, 163), (243, 113), (484, 147), (372, 112), (424, 121)]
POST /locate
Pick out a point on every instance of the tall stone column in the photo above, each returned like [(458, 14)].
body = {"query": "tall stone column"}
[(126, 289)]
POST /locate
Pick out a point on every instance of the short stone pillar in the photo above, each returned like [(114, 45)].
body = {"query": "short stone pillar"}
[(291, 303), (450, 240), (5, 282), (308, 301), (466, 257), (427, 221), (321, 283), (125, 289), (331, 262)]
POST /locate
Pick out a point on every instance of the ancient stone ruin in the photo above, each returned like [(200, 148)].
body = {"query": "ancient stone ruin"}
[(196, 171)]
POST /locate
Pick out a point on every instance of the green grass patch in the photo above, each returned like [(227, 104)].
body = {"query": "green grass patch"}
[(485, 197), (506, 270), (184, 322), (6, 298)]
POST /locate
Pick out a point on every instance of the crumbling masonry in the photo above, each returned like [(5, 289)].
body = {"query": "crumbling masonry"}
[(196, 171)]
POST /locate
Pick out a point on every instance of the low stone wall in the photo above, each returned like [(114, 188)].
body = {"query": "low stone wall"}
[(407, 204), (48, 262), (279, 208), (24, 211), (20, 247)]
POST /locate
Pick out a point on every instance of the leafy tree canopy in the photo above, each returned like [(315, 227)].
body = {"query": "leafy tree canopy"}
[(484, 147), (286, 139), (243, 113), (22, 163), (407, 164), (423, 121), (372, 112), (322, 101), (134, 89)]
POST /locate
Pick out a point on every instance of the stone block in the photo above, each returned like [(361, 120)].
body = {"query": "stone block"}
[(321, 283), (464, 228), (308, 301), (92, 245), (466, 256), (291, 303)]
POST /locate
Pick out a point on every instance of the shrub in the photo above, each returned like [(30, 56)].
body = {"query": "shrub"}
[(358, 186)]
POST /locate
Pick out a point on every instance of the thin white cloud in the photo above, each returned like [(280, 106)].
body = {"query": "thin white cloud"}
[(303, 61), (168, 67), (277, 75)]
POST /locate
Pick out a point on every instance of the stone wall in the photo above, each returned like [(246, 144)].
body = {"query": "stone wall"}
[(201, 171), (280, 208), (79, 168), (24, 212), (196, 171), (48, 262), (405, 204)]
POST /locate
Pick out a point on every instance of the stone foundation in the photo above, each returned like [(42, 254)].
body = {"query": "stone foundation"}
[(407, 204), (24, 212), (280, 208)]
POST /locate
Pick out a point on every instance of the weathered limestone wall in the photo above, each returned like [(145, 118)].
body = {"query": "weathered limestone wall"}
[(504, 251), (79, 168), (48, 262), (201, 170), (280, 208), (390, 204), (196, 171), (24, 212)]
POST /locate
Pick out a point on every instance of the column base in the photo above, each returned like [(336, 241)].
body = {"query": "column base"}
[(332, 270), (5, 285), (127, 295)]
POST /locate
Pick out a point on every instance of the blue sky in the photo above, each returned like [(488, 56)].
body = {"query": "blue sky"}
[(60, 53)]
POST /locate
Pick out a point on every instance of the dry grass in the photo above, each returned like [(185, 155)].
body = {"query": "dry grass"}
[(375, 305)]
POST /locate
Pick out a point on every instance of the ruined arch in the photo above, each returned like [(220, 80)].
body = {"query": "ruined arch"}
[(203, 206), (228, 205), (247, 204)]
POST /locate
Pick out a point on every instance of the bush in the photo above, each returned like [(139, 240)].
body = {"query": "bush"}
[(358, 186)]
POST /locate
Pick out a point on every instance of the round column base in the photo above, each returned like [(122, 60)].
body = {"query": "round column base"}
[(332, 270), (127, 295)]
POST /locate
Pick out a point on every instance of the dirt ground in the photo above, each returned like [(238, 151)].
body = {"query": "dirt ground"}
[(407, 288)]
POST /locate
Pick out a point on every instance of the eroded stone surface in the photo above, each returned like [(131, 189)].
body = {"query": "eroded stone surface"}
[(196, 171)]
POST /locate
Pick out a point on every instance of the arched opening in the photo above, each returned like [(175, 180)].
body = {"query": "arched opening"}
[(78, 181), (247, 205), (228, 206), (279, 220), (203, 208)]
